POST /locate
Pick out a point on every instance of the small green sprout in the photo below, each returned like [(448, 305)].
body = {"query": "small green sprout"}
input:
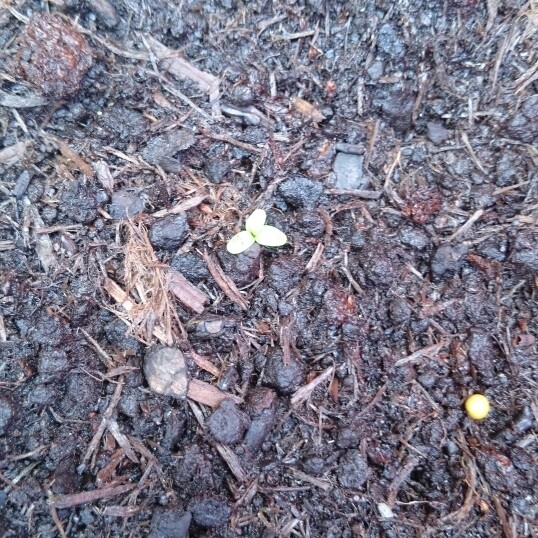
[(256, 232)]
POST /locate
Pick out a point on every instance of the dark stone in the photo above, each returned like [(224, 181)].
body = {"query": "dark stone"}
[(359, 239), (398, 109), (446, 261), (227, 424), (495, 248), (191, 266), (162, 148), (166, 371), (524, 252), (210, 512), (310, 223), (242, 268), (437, 133), (242, 95), (375, 71), (482, 354), (216, 170), (353, 470), (414, 238), (80, 202), (80, 397), (7, 412), (284, 273), (506, 171), (42, 395), (400, 311), (170, 523), (390, 42), (261, 406), (314, 466), (285, 378), (301, 192), (348, 170), (169, 232), (116, 333), (125, 123), (125, 204), (52, 362), (524, 126), (22, 184)]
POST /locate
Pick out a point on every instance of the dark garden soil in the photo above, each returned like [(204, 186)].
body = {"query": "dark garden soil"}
[(152, 384)]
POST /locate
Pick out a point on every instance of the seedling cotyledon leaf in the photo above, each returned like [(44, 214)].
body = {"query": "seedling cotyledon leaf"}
[(256, 232)]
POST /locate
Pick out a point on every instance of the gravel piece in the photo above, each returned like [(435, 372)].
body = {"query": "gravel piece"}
[(482, 354), (525, 251), (242, 268), (390, 42), (191, 266), (310, 223), (301, 192), (285, 378), (161, 149), (170, 523), (216, 170), (261, 405), (436, 132), (166, 371), (169, 232), (523, 126), (348, 170), (51, 363), (106, 13), (125, 204), (80, 202), (414, 238), (227, 424), (353, 470), (446, 261), (7, 412), (210, 512), (22, 184), (398, 109)]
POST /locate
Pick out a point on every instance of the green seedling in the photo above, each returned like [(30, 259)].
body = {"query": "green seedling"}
[(256, 231)]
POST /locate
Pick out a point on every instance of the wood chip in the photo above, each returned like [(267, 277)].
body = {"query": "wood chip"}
[(417, 356), (19, 101), (209, 395), (121, 439), (205, 364), (226, 284), (307, 109), (182, 206), (74, 160), (13, 154), (104, 175), (231, 459), (172, 62), (43, 243), (188, 294), (323, 484), (316, 257), (76, 499), (303, 393), (357, 193)]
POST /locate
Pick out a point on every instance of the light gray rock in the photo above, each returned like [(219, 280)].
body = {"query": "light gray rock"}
[(166, 371), (348, 170)]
